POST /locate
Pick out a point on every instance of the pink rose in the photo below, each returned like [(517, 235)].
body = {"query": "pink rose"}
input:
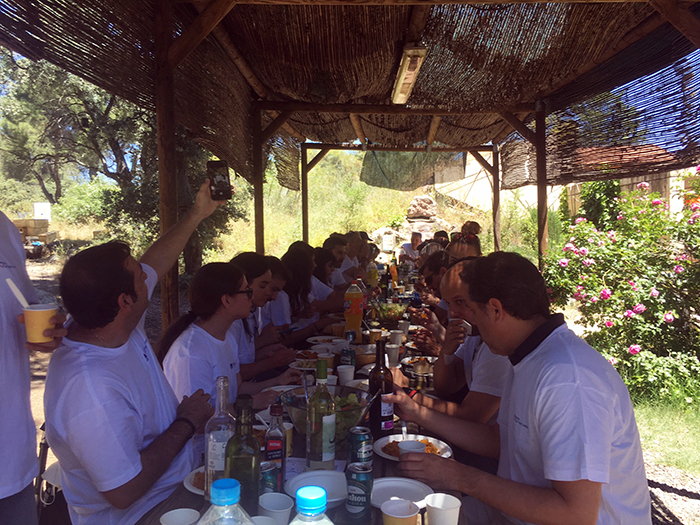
[(609, 324), (569, 247), (633, 285), (639, 308), (657, 202), (634, 349), (693, 218), (601, 243), (654, 292), (563, 263), (678, 268), (619, 216), (669, 318), (579, 220), (643, 186), (583, 251), (695, 206), (628, 313), (594, 299), (588, 262), (612, 361), (605, 293), (682, 257)]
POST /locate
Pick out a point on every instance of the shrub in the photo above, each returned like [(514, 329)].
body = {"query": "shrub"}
[(83, 203), (636, 289)]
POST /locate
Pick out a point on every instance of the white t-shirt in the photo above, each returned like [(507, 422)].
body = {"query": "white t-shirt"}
[(320, 290), (17, 429), (484, 371), (245, 340), (407, 249), (277, 312), (336, 278), (103, 406), (566, 415)]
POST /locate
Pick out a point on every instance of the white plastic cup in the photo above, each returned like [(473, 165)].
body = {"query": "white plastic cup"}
[(392, 352), (442, 509), (404, 326), (263, 520), (399, 512), (346, 373), (332, 380), (409, 446), (277, 506), (395, 337), (180, 517)]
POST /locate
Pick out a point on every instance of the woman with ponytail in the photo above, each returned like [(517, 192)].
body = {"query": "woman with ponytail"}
[(467, 244)]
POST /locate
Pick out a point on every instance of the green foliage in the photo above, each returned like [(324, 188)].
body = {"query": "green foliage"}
[(564, 210), (17, 197), (599, 202), (84, 203), (636, 289)]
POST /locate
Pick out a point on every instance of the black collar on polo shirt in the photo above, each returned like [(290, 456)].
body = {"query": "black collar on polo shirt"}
[(535, 338)]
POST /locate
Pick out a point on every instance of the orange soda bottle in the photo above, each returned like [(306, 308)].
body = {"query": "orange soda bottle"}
[(354, 308)]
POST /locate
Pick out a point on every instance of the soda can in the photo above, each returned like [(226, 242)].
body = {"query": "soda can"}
[(360, 480), (270, 477), (360, 445), (347, 356)]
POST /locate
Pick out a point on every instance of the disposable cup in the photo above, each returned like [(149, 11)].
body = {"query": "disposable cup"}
[(401, 289), (374, 335), (408, 446), (404, 326), (392, 352), (277, 506), (338, 329), (442, 509), (399, 512), (330, 359), (263, 520), (345, 373), (36, 320), (332, 380), (409, 288), (395, 337), (180, 517)]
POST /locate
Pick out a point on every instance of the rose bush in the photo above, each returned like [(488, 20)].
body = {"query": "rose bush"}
[(636, 287)]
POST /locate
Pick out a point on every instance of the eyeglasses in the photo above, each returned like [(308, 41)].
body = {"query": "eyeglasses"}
[(248, 291)]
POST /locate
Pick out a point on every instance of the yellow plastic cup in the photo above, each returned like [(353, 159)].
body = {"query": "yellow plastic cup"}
[(36, 320), (399, 512)]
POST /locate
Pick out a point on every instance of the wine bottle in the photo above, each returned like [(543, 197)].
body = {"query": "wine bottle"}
[(381, 415), (276, 444), (320, 423), (243, 455), (218, 430)]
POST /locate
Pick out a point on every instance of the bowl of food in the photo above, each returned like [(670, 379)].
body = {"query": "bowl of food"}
[(351, 405), (389, 314)]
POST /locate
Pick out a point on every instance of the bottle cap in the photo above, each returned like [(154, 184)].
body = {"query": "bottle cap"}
[(225, 491), (321, 369), (276, 410), (311, 500)]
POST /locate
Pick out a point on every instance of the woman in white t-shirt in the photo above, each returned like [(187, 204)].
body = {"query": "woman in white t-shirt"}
[(198, 347)]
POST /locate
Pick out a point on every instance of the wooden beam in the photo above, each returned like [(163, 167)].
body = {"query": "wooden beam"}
[(380, 109), (258, 183), (317, 158), (357, 126), (541, 152), (275, 125), (518, 126), (482, 161), (304, 194), (496, 204), (432, 131), (680, 17), (167, 153), (207, 20), (346, 147), (416, 26)]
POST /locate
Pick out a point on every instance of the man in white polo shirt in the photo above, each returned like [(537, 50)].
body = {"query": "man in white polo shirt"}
[(567, 441), (122, 438)]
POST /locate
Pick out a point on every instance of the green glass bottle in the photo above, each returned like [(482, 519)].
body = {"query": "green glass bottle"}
[(243, 456), (320, 423)]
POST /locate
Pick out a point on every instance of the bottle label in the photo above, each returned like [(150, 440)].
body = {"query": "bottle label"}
[(216, 455), (353, 305), (329, 437), (387, 416), (273, 449)]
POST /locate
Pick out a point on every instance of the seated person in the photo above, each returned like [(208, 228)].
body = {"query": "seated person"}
[(121, 436), (466, 244), (566, 438), (337, 244), (408, 254)]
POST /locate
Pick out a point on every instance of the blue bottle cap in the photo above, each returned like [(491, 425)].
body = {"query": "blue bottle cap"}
[(225, 491), (311, 500)]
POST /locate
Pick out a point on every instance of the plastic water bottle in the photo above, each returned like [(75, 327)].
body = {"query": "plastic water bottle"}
[(311, 507), (225, 508)]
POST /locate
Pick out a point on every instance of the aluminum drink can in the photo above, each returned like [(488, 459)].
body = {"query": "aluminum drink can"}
[(360, 445), (270, 477), (347, 356), (360, 480)]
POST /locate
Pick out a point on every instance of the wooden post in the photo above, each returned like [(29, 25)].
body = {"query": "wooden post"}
[(258, 183), (165, 124), (496, 173), (541, 152), (304, 194)]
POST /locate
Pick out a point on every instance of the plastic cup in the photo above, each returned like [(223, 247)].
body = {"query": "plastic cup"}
[(442, 509), (338, 329), (396, 337), (409, 446), (36, 320), (392, 352), (263, 520), (404, 326), (180, 517), (332, 380), (375, 335), (346, 373), (330, 359), (277, 506), (399, 512)]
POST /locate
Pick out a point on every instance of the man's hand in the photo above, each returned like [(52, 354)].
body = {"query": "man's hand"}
[(290, 377), (204, 205), (435, 471), (405, 407), (426, 343), (264, 399), (400, 380), (268, 336), (57, 332), (196, 408), (282, 356), (454, 336)]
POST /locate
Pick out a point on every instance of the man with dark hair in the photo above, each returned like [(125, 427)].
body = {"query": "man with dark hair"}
[(566, 439), (122, 438)]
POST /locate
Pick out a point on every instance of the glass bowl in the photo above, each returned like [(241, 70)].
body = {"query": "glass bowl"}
[(389, 314)]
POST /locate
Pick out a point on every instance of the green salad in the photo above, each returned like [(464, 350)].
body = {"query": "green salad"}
[(346, 414)]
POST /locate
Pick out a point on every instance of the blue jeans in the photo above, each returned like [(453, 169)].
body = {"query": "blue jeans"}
[(20, 508)]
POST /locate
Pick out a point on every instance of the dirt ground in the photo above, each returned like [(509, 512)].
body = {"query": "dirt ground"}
[(675, 493)]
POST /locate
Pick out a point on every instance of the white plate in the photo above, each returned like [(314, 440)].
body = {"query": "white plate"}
[(362, 384), (280, 388), (265, 415), (430, 358), (190, 478), (443, 448), (296, 365), (385, 489), (320, 339), (332, 481)]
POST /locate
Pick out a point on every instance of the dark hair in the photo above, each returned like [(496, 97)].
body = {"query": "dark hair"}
[(322, 258), (435, 261), (373, 250), (211, 282), (510, 278), (298, 288), (277, 268), (463, 241), (92, 281), (440, 234), (335, 239), (253, 264), (471, 227), (301, 245), (364, 236)]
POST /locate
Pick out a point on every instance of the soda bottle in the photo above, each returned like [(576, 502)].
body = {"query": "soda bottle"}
[(365, 293), (218, 430), (243, 455), (353, 308), (225, 508), (320, 423), (372, 275)]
